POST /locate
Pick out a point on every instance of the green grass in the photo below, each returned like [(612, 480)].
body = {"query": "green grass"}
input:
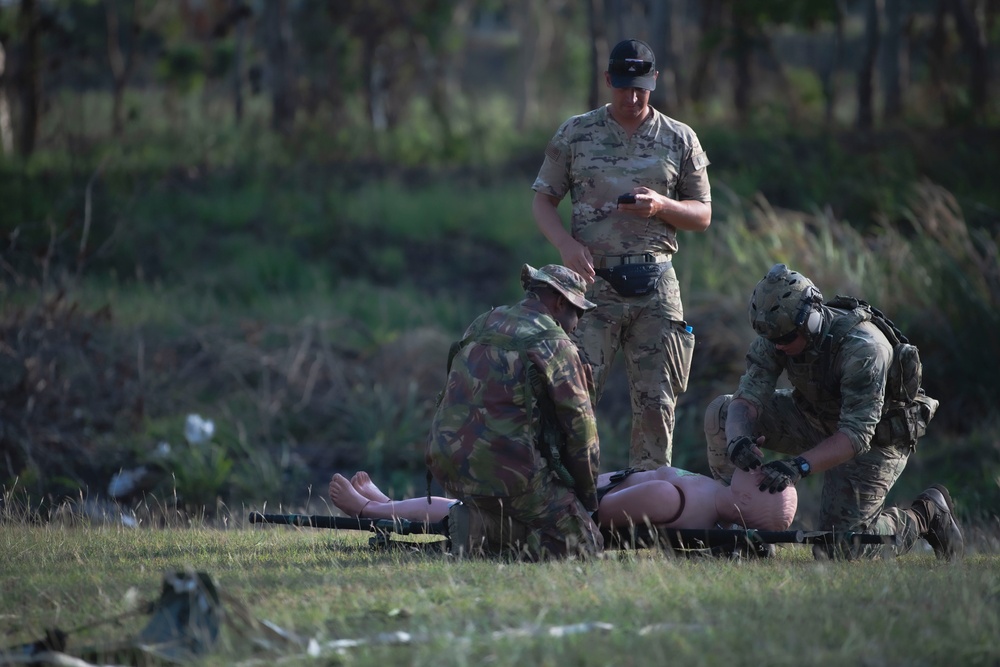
[(661, 609)]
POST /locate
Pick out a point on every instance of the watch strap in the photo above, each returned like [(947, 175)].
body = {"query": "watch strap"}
[(802, 465)]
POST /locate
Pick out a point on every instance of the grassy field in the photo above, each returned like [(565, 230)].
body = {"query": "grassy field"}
[(308, 312), (302, 294), (637, 607)]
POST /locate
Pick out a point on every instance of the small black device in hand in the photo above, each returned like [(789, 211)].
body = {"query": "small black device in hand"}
[(627, 198)]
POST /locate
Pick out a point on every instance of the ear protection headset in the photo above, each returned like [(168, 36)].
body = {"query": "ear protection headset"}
[(809, 317)]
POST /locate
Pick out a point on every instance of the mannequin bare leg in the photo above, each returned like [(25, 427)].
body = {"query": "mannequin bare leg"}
[(349, 501)]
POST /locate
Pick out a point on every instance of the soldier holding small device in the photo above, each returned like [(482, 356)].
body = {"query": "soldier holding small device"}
[(635, 177)]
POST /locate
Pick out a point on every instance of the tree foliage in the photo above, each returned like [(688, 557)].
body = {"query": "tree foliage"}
[(374, 66)]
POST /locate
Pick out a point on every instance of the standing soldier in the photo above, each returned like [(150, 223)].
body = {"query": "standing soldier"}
[(854, 413), (514, 437), (635, 177)]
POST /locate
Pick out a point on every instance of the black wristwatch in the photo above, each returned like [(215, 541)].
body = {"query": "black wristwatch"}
[(803, 466)]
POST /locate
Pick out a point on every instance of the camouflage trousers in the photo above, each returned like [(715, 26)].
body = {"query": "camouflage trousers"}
[(547, 521), (854, 492), (657, 349)]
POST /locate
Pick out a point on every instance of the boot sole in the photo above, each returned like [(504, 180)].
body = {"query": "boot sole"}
[(932, 538)]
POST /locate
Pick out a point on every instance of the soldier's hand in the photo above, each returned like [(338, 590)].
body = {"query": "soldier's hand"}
[(744, 453), (576, 256), (779, 475)]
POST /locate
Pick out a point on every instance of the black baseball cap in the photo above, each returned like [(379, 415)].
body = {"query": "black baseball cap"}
[(632, 65)]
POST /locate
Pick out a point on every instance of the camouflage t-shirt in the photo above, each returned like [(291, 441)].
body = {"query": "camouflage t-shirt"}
[(593, 159), (483, 441), (843, 394)]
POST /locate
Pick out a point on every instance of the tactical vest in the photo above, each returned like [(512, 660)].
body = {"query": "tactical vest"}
[(907, 409), (905, 371)]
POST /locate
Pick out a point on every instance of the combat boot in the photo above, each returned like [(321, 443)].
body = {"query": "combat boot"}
[(942, 529)]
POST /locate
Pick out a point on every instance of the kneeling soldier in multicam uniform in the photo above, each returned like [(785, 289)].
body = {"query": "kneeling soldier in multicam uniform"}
[(515, 437), (855, 413)]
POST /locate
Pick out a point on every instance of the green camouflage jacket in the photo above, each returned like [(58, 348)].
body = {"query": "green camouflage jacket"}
[(483, 441)]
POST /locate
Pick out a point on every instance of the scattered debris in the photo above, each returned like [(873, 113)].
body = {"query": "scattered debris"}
[(186, 622)]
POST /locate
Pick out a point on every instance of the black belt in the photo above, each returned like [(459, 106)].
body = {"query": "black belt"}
[(605, 261)]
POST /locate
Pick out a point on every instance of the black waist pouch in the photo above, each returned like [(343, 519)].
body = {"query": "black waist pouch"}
[(634, 279)]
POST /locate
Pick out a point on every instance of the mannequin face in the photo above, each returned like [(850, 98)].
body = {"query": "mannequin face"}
[(760, 509)]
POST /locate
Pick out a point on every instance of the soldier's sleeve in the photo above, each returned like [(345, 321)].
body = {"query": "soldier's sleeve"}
[(761, 377), (693, 182), (864, 366), (554, 176), (568, 381)]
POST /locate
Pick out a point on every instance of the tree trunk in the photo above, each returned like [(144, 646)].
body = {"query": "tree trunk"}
[(278, 40), (937, 60), (537, 29), (30, 78), (6, 130), (896, 65), (443, 70), (788, 91), (676, 31), (743, 53), (658, 42), (974, 42), (866, 73), (711, 29), (240, 38), (377, 86), (666, 17), (599, 51), (121, 64), (828, 75)]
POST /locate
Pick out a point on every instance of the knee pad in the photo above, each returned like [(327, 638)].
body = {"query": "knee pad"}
[(715, 438), (715, 416)]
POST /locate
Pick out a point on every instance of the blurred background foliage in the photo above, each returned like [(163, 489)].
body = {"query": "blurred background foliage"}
[(279, 213)]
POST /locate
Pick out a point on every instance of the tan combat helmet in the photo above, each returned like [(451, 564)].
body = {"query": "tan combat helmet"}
[(783, 302)]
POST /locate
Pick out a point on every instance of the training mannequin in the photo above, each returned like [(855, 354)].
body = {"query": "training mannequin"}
[(667, 497)]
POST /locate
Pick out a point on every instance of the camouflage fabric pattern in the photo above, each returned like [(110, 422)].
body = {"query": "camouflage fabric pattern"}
[(846, 394), (482, 440), (569, 283), (547, 521), (854, 493), (657, 350), (592, 159)]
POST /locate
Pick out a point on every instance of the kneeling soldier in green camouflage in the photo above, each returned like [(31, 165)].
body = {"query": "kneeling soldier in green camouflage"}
[(514, 437), (855, 413)]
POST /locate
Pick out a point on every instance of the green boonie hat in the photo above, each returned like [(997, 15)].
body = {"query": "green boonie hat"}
[(567, 281)]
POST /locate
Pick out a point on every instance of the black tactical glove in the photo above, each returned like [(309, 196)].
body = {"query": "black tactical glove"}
[(779, 475), (740, 452)]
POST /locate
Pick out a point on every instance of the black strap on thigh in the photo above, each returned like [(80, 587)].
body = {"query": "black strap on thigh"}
[(680, 510), (616, 479)]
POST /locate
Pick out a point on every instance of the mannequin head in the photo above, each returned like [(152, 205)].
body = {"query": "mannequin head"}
[(760, 509)]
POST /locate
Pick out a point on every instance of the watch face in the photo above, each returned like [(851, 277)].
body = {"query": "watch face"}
[(804, 467)]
